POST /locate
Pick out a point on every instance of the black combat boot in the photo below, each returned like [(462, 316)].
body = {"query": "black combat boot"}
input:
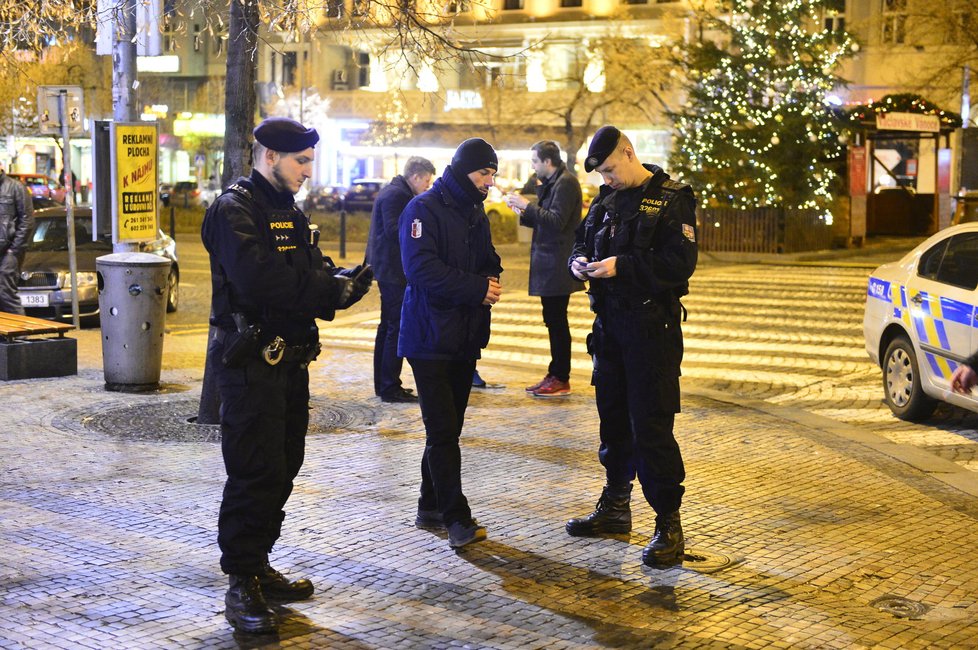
[(668, 544), (245, 606), (276, 587), (612, 514)]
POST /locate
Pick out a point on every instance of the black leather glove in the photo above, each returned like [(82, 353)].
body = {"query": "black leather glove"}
[(360, 280)]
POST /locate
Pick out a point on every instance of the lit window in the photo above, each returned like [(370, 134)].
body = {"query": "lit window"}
[(834, 16), (894, 21)]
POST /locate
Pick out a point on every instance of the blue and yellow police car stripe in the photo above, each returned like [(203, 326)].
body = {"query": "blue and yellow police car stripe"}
[(927, 321)]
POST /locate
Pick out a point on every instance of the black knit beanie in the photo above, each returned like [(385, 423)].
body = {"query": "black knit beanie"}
[(472, 155)]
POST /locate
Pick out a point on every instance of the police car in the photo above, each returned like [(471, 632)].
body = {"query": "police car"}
[(920, 321)]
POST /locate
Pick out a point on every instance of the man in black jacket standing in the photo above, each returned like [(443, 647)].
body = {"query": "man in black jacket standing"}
[(637, 248), (16, 222), (554, 218), (269, 283), (384, 255)]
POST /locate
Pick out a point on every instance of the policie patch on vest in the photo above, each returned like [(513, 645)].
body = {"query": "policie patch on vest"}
[(689, 232), (416, 229)]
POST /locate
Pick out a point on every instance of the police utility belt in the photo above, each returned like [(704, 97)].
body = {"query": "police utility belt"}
[(245, 344), (601, 301)]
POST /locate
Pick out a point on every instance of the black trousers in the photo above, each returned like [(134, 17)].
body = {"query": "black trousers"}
[(443, 392), (9, 300), (636, 356), (555, 318), (387, 365), (264, 419)]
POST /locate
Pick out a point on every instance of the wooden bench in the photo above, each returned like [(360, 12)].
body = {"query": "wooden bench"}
[(22, 357)]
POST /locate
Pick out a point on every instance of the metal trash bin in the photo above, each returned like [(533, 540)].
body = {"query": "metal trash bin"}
[(132, 303)]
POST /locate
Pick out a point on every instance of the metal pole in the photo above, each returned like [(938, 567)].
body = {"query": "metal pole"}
[(173, 221), (966, 97), (69, 204), (343, 230), (124, 80)]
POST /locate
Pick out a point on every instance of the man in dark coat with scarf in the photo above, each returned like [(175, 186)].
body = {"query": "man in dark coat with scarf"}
[(554, 218), (452, 274)]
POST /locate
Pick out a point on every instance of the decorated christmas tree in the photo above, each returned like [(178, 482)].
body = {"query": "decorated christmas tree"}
[(756, 129)]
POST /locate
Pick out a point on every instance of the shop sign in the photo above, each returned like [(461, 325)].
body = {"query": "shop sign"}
[(908, 122), (462, 100)]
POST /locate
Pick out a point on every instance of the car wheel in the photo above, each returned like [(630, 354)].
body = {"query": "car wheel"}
[(901, 382), (172, 291)]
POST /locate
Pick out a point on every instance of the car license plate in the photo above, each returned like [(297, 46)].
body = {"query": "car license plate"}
[(34, 299)]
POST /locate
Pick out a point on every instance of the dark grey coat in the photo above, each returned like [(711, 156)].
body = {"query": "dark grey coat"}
[(383, 247), (554, 218)]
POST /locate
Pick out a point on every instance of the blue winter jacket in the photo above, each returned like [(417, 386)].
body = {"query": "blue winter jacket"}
[(448, 256)]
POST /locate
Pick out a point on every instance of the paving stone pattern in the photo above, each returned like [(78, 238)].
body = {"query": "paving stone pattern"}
[(796, 539), (785, 334)]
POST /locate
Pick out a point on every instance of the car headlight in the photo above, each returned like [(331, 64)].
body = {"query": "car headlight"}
[(84, 279)]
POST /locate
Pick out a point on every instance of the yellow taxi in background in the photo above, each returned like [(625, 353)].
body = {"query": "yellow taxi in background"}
[(920, 321)]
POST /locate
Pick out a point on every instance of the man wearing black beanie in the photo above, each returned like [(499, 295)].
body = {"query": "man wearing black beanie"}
[(452, 272)]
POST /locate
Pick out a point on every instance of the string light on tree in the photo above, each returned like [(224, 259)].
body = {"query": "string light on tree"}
[(761, 94)]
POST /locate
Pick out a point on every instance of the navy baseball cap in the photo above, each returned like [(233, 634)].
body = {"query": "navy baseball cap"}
[(603, 144), (285, 135)]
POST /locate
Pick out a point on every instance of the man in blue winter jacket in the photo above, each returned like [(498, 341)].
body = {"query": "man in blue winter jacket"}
[(452, 272)]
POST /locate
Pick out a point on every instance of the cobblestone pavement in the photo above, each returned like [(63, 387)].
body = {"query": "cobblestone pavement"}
[(804, 531), (785, 334)]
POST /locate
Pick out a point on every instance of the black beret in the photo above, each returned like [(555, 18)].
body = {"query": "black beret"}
[(603, 144), (285, 135), (472, 155)]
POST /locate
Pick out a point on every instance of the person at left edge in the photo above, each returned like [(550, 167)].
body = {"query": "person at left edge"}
[(16, 224), (452, 274), (384, 255), (267, 273)]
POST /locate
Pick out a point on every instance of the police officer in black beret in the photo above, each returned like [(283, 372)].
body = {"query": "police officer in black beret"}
[(270, 282), (637, 250)]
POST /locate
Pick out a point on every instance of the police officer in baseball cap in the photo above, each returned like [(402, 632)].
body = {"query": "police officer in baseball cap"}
[(270, 282)]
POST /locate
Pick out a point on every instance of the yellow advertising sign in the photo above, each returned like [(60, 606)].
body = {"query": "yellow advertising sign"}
[(136, 186)]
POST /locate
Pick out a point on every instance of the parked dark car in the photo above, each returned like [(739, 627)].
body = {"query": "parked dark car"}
[(44, 284), (184, 194), (362, 193), (323, 198)]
